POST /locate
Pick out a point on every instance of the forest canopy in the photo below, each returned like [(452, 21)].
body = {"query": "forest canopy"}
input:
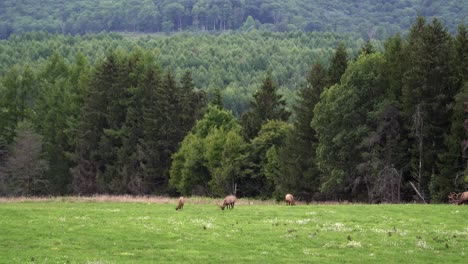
[(232, 62), (366, 18)]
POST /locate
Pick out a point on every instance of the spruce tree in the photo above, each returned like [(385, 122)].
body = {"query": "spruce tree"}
[(452, 164), (267, 105), (338, 66), (150, 142), (298, 154), (91, 157), (428, 89)]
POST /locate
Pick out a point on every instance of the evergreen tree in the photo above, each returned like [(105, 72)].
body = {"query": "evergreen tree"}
[(151, 86), (191, 103), (90, 156), (461, 56), (19, 90), (217, 99), (297, 157), (338, 65), (367, 48), (427, 91), (51, 120), (267, 105), (131, 156), (452, 161)]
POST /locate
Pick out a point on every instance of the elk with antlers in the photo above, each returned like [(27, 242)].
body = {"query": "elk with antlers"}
[(181, 203), (289, 198), (228, 202), (458, 198)]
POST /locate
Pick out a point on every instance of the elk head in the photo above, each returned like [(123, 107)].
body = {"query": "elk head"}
[(228, 202)]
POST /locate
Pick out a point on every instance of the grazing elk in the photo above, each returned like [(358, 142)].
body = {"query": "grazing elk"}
[(181, 203), (228, 202), (289, 198), (458, 198)]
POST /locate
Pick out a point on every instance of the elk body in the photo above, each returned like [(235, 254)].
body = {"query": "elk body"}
[(289, 198), (463, 198), (181, 203), (228, 202), (458, 198)]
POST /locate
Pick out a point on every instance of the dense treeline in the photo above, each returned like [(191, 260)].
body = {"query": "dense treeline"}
[(370, 18), (380, 123), (233, 63), (361, 129), (111, 128)]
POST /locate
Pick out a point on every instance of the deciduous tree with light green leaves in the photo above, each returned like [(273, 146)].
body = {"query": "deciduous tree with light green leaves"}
[(208, 161), (342, 122)]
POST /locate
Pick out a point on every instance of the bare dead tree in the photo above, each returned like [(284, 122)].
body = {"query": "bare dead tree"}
[(418, 125), (25, 168), (388, 185), (84, 177)]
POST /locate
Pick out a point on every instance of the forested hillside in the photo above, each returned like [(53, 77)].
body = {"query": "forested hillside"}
[(99, 114), (367, 18), (232, 62)]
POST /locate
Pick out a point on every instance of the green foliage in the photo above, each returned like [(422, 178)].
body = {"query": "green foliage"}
[(338, 66), (428, 89), (125, 123), (232, 62), (341, 120), (263, 178), (297, 157), (267, 105), (368, 18), (132, 122), (208, 161), (18, 89)]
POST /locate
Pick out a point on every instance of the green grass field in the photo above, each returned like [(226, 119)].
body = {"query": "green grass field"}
[(81, 231)]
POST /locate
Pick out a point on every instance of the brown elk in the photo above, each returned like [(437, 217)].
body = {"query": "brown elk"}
[(458, 198), (289, 198), (228, 202), (181, 203)]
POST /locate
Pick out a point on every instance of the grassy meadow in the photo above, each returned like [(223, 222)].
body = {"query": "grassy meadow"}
[(146, 230)]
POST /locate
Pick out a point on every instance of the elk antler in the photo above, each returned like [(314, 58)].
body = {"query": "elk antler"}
[(454, 197)]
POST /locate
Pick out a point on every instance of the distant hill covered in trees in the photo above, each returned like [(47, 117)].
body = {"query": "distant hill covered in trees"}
[(235, 63), (369, 18), (362, 128)]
